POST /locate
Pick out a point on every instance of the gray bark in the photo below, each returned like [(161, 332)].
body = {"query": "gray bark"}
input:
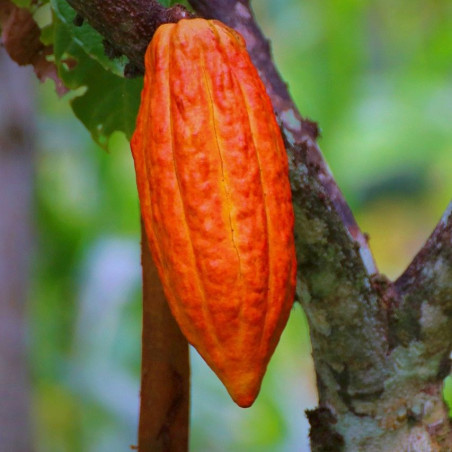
[(16, 180)]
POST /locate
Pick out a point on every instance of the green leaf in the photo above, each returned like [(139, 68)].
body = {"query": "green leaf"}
[(107, 102), (86, 37), (168, 3), (47, 34), (22, 3), (110, 103)]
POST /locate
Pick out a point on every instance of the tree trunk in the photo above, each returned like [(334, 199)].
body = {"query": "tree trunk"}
[(16, 181)]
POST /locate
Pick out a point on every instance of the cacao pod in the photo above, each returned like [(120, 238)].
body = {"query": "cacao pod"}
[(212, 178)]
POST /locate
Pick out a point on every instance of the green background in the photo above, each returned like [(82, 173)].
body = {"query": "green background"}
[(377, 76)]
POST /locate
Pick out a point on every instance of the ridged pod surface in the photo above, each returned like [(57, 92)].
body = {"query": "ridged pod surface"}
[(212, 177)]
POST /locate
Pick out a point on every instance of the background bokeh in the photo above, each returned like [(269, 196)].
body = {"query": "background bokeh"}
[(377, 76)]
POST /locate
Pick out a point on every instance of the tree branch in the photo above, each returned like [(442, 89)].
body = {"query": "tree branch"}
[(165, 371), (360, 362), (425, 308), (299, 132), (128, 25), (334, 260)]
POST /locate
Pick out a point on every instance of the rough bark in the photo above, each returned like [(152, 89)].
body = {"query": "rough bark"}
[(16, 180), (165, 372), (381, 349)]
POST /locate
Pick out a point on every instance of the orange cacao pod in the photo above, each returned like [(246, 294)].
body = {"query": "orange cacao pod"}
[(212, 177)]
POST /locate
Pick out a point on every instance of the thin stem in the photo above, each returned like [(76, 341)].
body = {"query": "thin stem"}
[(165, 371)]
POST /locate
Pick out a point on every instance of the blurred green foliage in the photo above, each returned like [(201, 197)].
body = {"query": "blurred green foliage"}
[(377, 76)]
